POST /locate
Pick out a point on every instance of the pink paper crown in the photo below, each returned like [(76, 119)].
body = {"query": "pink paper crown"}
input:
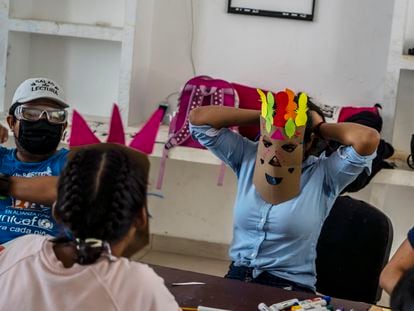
[(143, 141)]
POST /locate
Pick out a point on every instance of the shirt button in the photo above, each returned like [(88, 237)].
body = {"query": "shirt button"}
[(263, 220), (253, 254)]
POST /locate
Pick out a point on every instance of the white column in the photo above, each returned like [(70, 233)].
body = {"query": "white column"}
[(394, 66), (127, 53), (4, 31)]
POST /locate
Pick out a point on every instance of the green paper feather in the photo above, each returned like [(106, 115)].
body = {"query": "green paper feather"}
[(270, 107), (290, 128), (268, 126)]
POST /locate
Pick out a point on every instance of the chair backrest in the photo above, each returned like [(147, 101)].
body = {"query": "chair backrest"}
[(352, 250)]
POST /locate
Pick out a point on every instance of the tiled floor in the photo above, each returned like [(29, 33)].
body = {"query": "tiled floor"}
[(184, 262)]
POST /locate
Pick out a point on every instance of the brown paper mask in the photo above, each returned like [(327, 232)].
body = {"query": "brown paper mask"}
[(280, 152)]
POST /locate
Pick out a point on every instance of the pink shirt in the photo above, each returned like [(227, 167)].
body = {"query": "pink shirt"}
[(32, 278)]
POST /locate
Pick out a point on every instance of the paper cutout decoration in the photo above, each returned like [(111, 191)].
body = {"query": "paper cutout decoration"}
[(277, 171), (290, 115), (279, 158), (283, 112), (143, 141), (270, 111), (81, 134), (264, 102), (291, 106), (116, 130), (290, 128), (282, 100), (277, 135), (302, 117)]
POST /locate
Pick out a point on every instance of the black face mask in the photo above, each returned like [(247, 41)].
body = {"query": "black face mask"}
[(39, 137)]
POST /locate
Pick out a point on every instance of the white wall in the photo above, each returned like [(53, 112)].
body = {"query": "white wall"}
[(404, 116), (86, 69), (105, 12), (340, 58), (194, 206), (409, 29), (142, 62)]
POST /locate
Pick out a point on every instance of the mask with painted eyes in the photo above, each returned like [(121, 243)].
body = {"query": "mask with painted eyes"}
[(280, 151)]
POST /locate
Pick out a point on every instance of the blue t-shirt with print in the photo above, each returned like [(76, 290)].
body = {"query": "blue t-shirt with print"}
[(19, 217)]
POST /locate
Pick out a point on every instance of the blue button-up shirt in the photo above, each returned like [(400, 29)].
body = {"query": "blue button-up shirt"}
[(281, 239)]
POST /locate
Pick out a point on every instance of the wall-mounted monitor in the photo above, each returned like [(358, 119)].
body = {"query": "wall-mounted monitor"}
[(294, 9)]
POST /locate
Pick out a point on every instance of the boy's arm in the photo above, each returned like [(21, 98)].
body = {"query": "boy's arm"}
[(41, 190), (4, 134), (219, 116), (401, 262)]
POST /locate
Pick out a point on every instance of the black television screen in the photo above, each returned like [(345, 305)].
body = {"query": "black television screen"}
[(295, 9)]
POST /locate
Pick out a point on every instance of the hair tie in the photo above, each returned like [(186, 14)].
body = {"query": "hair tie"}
[(96, 243), (108, 252)]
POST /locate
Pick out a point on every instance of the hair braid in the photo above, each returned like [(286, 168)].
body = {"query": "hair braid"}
[(100, 194)]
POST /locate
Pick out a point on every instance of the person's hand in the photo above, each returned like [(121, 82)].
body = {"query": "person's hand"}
[(4, 134)]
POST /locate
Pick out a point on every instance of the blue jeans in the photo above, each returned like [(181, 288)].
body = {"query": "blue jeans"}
[(246, 274)]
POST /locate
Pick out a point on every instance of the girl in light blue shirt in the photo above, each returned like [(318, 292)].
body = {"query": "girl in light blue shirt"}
[(275, 244)]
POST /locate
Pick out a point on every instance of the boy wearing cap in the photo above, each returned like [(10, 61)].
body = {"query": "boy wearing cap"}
[(38, 119)]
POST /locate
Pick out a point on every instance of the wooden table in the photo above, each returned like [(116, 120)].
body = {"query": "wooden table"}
[(233, 295)]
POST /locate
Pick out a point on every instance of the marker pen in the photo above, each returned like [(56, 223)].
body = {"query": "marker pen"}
[(284, 304), (310, 303), (263, 307)]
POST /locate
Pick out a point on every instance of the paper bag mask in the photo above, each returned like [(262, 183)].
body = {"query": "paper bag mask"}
[(279, 158)]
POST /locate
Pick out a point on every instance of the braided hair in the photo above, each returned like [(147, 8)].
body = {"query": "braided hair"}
[(100, 194)]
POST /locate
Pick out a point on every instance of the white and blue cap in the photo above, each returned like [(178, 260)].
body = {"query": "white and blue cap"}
[(35, 88)]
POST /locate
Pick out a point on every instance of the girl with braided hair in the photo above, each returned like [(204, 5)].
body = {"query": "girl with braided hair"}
[(102, 203)]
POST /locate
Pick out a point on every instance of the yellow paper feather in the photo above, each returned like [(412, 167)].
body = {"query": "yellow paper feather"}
[(302, 117), (264, 102)]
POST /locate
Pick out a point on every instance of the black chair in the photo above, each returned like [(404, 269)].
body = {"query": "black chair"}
[(352, 250)]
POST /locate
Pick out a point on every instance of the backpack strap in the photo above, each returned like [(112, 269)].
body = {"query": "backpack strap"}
[(165, 150), (176, 138), (182, 134)]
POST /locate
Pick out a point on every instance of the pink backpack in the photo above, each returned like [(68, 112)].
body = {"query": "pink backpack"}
[(198, 91)]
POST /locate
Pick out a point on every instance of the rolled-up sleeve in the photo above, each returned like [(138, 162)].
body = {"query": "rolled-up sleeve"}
[(228, 146), (344, 165), (410, 237)]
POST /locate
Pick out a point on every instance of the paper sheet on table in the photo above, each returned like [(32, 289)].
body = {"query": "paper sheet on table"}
[(187, 283), (201, 308)]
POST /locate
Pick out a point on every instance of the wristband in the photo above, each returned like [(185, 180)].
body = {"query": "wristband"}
[(4, 185), (317, 130)]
